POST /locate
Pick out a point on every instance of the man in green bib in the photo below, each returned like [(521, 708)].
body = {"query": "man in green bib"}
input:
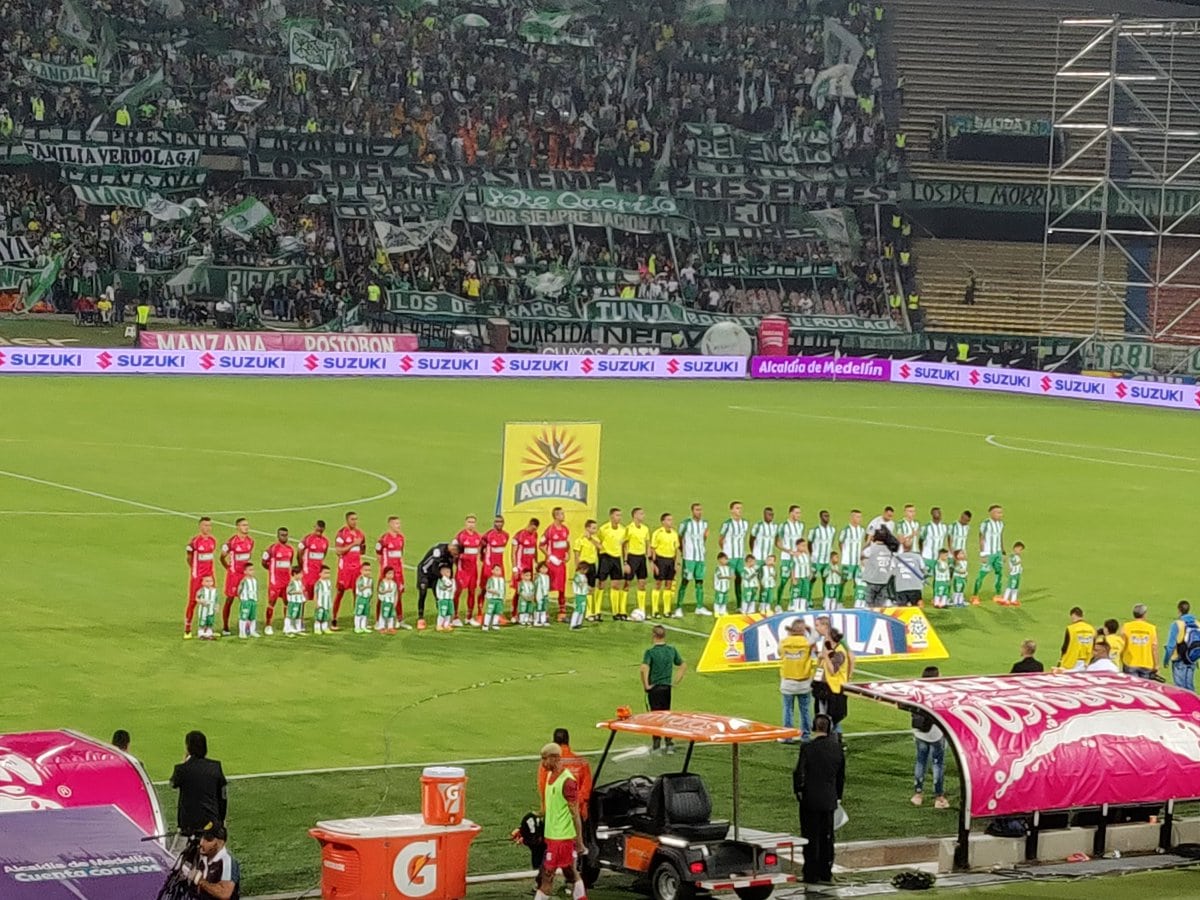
[(563, 830)]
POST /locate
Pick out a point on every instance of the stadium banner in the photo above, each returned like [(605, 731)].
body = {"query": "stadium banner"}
[(996, 124), (217, 142), (751, 641), (544, 465), (597, 209), (1037, 743), (977, 378), (1141, 357), (135, 197), (215, 281), (164, 181), (113, 155), (613, 311), (782, 190), (831, 368), (410, 365), (1031, 198), (14, 250), (767, 271), (303, 341), (79, 74), (585, 349)]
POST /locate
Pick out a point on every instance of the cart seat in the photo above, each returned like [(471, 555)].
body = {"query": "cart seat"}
[(679, 805)]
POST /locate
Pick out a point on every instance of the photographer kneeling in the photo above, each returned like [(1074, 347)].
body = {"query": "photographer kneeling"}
[(215, 872), (877, 567)]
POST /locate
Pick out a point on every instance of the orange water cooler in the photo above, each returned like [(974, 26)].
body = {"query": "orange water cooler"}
[(402, 857)]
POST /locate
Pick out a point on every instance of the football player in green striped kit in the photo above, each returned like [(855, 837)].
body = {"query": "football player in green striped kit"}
[(991, 551), (851, 540), (693, 535), (820, 543), (733, 544), (791, 530)]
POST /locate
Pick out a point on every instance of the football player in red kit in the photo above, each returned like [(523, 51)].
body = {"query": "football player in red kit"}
[(524, 556), (236, 556), (348, 544), (495, 542), (466, 577), (277, 560), (556, 544), (201, 556), (313, 550), (389, 550)]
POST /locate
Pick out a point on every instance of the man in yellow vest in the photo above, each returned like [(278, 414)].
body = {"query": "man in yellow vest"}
[(796, 667), (1139, 656), (374, 293), (563, 830), (1077, 642), (122, 117), (143, 317)]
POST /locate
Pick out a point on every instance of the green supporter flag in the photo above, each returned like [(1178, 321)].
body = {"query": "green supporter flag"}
[(539, 25), (44, 282), (74, 74), (136, 93), (247, 218), (75, 23), (704, 12)]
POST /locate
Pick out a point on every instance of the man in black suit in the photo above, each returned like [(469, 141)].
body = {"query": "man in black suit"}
[(817, 781), (201, 785)]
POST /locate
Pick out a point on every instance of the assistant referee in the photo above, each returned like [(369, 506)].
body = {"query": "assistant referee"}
[(659, 665)]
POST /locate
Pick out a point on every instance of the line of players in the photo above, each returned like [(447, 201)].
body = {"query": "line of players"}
[(614, 557)]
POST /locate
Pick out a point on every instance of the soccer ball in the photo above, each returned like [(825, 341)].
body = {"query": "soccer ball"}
[(637, 616)]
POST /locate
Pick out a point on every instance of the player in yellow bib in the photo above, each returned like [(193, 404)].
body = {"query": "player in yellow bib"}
[(563, 830)]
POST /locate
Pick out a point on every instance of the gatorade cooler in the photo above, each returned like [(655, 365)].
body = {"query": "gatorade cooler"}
[(443, 795), (394, 858), (773, 335)]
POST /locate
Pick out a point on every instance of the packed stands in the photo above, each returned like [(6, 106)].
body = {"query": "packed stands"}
[(725, 156)]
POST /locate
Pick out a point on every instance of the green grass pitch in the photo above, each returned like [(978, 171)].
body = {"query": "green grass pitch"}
[(101, 479)]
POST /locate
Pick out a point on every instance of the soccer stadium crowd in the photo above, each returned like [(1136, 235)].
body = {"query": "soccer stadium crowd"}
[(620, 95)]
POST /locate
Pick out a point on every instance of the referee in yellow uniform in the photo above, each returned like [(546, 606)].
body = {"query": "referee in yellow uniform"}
[(637, 543), (664, 549), (611, 567)]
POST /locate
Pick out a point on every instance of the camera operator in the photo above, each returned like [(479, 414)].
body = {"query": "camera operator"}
[(910, 575), (214, 873), (877, 567), (202, 786)]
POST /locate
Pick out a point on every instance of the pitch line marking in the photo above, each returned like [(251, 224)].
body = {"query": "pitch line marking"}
[(391, 486), (487, 760), (991, 439)]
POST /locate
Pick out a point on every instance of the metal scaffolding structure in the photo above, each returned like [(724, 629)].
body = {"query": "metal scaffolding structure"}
[(1123, 189)]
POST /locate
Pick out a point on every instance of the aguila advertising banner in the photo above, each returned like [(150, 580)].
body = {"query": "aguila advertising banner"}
[(751, 640), (1033, 743), (547, 466)]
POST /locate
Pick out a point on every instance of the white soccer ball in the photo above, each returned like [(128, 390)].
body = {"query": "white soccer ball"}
[(637, 616)]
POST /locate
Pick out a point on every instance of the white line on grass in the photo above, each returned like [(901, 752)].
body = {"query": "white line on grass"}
[(480, 761), (391, 486), (991, 439)]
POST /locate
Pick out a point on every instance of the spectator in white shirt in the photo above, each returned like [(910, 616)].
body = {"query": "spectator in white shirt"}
[(1101, 662)]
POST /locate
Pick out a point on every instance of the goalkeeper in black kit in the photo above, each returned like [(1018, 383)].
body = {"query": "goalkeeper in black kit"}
[(429, 570)]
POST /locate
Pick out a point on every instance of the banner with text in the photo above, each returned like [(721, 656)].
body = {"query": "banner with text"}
[(751, 641), (996, 124), (400, 365), (304, 341), (977, 378), (1036, 743), (1031, 198), (547, 465)]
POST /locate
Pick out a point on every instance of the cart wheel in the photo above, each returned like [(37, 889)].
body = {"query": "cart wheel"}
[(761, 892), (667, 883)]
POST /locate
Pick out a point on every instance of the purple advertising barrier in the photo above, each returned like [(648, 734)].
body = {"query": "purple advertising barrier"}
[(844, 368), (95, 853), (1126, 391), (399, 365)]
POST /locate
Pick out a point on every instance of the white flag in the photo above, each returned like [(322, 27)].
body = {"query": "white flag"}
[(244, 103)]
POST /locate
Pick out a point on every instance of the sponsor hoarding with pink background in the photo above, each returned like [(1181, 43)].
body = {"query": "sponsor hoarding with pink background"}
[(303, 341), (978, 378), (413, 365), (67, 770), (1030, 743)]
